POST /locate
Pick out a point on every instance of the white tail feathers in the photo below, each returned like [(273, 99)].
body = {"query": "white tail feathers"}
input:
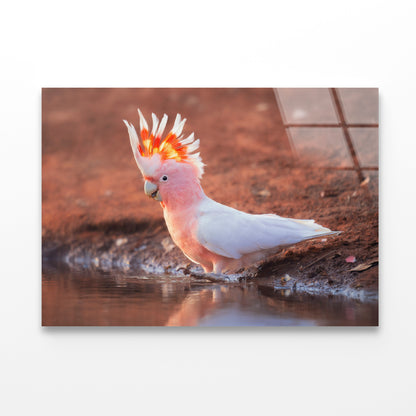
[(318, 230)]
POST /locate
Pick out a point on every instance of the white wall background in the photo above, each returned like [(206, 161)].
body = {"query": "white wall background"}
[(314, 371)]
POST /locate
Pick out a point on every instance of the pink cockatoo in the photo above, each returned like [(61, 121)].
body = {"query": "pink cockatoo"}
[(219, 238)]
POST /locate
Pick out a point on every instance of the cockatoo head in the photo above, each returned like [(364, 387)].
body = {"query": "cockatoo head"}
[(168, 165)]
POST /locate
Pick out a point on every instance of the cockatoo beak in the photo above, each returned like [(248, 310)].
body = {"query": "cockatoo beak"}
[(151, 190)]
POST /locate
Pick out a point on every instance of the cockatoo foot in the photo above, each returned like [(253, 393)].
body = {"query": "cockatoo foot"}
[(217, 277)]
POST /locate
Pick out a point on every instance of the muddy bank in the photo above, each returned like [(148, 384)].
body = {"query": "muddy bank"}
[(315, 267)]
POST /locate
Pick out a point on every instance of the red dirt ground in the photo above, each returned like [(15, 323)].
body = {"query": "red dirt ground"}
[(92, 191)]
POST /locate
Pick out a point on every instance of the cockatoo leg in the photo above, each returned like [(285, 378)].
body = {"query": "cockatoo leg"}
[(218, 267), (207, 268), (212, 273)]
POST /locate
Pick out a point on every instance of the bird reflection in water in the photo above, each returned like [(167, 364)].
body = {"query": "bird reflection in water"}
[(89, 298)]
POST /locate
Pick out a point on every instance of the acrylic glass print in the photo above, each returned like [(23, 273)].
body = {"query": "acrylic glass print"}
[(259, 209)]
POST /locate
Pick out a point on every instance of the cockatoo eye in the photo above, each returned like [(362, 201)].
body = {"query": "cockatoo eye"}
[(164, 178)]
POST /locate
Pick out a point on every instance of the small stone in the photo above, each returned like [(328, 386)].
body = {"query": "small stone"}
[(121, 241), (168, 244), (265, 193)]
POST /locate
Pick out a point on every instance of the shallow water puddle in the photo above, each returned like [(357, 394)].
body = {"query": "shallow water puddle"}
[(90, 298)]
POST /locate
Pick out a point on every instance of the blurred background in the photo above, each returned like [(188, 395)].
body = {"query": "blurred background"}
[(88, 171), (265, 149)]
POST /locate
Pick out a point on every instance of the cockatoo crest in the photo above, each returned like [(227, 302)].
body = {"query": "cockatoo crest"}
[(153, 150)]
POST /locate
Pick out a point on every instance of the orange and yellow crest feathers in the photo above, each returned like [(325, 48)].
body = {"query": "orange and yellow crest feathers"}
[(173, 146)]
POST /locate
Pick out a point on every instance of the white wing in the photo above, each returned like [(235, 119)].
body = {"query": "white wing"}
[(232, 233)]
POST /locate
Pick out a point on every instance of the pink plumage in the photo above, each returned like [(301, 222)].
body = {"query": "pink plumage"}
[(219, 238)]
